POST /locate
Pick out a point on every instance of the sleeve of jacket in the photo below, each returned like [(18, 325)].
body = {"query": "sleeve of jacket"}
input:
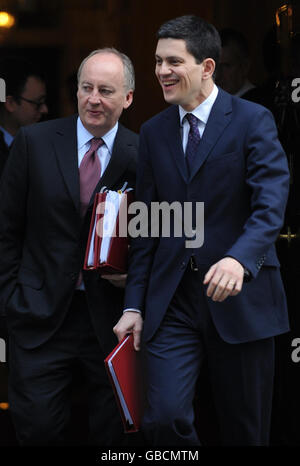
[(13, 195), (142, 247), (268, 179)]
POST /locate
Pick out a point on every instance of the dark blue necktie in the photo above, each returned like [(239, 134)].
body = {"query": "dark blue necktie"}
[(193, 141)]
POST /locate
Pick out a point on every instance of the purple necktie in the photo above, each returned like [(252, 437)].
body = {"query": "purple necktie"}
[(89, 174), (193, 140)]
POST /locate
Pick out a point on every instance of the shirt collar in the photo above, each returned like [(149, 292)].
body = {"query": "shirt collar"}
[(84, 136), (203, 110), (8, 138)]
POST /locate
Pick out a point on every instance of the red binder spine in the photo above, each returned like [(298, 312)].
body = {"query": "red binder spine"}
[(85, 264), (101, 198)]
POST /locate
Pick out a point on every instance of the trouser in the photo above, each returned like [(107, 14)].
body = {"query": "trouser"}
[(40, 384), (241, 375)]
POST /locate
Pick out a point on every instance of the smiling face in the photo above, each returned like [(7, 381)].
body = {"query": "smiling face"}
[(101, 93), (184, 82)]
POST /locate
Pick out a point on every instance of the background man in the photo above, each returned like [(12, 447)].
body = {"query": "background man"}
[(25, 100), (234, 66), (55, 319), (25, 104), (214, 148)]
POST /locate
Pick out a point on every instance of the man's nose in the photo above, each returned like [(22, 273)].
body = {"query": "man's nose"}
[(164, 69), (95, 98)]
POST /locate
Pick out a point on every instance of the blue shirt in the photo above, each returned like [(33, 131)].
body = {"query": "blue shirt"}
[(8, 138)]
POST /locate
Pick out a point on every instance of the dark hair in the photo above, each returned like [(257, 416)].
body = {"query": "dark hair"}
[(15, 72), (232, 36), (201, 38)]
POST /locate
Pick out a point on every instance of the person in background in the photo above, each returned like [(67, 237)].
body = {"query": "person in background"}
[(25, 100), (25, 103), (233, 69)]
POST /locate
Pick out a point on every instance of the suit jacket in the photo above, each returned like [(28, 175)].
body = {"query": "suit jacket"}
[(241, 174), (4, 151), (43, 237)]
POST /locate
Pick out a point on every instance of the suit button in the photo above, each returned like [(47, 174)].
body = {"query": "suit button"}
[(183, 265), (73, 276)]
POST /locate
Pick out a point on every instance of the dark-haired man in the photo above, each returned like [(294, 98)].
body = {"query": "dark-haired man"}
[(224, 301), (25, 101), (234, 65)]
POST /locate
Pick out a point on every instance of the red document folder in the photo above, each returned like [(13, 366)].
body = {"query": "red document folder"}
[(123, 366), (117, 245)]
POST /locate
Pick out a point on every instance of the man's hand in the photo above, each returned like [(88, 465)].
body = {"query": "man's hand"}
[(225, 278), (118, 280), (130, 322)]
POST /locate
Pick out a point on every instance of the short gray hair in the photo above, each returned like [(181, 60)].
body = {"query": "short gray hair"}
[(127, 64)]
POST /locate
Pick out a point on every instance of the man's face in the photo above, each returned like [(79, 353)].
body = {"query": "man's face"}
[(101, 93), (180, 77), (26, 113), (232, 71)]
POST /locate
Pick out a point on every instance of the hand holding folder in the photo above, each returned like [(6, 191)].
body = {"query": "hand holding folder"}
[(124, 369)]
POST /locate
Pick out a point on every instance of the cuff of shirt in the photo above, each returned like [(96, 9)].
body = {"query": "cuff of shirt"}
[(129, 309)]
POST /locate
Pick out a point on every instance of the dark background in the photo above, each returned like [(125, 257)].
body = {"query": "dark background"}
[(58, 34)]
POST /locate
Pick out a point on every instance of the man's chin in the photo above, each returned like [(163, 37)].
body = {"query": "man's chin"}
[(170, 99)]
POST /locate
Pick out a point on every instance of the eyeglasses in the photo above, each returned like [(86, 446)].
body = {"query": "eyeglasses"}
[(33, 102)]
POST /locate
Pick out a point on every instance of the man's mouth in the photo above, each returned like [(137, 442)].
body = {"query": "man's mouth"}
[(169, 83), (94, 112)]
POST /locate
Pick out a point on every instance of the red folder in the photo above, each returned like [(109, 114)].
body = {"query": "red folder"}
[(117, 254), (123, 366)]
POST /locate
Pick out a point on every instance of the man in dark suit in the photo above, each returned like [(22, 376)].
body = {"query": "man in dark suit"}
[(234, 65), (24, 104), (223, 301), (57, 314)]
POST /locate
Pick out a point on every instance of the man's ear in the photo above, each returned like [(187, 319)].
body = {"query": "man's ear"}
[(129, 99), (209, 66), (10, 103)]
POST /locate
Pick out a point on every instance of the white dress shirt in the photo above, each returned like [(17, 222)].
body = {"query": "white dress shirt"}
[(104, 152), (202, 112)]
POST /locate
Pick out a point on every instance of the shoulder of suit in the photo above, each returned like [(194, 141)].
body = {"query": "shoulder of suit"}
[(158, 119), (127, 134), (57, 124), (246, 106)]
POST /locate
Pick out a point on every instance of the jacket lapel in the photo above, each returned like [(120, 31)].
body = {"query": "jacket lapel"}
[(219, 118), (65, 144), (173, 137), (117, 164)]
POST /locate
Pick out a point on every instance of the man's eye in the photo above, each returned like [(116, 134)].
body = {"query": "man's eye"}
[(106, 92), (86, 88)]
